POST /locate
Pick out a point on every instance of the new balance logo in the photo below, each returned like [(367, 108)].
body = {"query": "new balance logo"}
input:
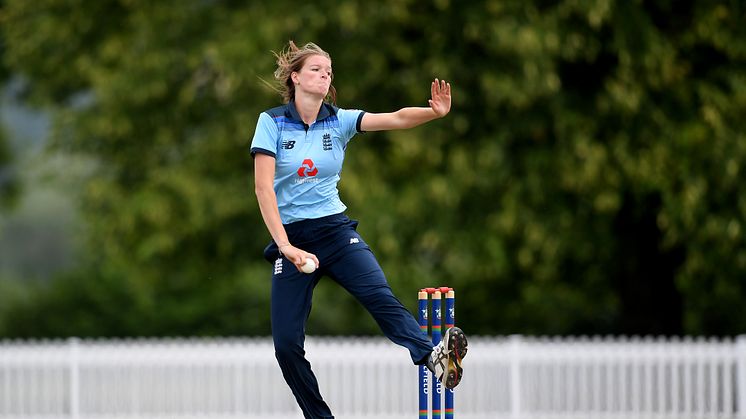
[(278, 266), (288, 144), (354, 240)]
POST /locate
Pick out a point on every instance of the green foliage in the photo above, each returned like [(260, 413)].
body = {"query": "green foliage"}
[(586, 181), (9, 184)]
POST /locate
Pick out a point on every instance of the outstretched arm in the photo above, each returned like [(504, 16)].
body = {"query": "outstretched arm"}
[(440, 105)]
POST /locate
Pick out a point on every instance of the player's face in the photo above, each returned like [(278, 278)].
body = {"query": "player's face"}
[(316, 75)]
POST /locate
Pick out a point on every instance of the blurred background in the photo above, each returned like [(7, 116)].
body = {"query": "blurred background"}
[(589, 179)]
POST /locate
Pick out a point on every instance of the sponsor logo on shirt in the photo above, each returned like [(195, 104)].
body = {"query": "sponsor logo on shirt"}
[(307, 169), (288, 144), (306, 172)]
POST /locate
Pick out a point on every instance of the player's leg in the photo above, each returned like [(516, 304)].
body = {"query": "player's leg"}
[(291, 305), (357, 270), (350, 262)]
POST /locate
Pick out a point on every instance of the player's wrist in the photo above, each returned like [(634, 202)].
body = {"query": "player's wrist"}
[(281, 246)]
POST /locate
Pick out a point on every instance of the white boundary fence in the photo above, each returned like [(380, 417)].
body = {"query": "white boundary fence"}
[(513, 377)]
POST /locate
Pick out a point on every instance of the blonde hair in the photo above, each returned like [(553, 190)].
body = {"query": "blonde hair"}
[(291, 60)]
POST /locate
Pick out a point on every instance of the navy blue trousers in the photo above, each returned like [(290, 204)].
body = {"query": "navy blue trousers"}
[(347, 259)]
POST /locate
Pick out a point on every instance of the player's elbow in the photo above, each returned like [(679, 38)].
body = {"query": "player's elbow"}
[(399, 120), (262, 190)]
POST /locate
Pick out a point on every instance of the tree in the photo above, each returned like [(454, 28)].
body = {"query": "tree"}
[(9, 187), (586, 180)]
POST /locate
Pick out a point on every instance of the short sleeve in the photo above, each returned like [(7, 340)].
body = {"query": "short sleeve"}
[(265, 136), (349, 121)]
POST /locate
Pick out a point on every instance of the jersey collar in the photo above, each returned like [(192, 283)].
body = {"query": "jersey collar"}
[(325, 111)]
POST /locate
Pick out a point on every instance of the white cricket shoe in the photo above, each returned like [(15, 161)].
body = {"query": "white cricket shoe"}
[(445, 359)]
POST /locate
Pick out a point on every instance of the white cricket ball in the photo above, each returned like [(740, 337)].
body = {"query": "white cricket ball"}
[(309, 266)]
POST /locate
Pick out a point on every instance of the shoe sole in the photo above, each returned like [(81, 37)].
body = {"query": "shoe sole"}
[(457, 348)]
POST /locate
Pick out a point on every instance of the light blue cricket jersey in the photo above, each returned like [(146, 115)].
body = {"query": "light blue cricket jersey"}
[(308, 158)]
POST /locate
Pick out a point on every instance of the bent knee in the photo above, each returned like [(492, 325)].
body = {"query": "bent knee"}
[(287, 347)]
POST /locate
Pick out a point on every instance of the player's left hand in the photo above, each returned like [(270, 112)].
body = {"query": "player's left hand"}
[(440, 100)]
